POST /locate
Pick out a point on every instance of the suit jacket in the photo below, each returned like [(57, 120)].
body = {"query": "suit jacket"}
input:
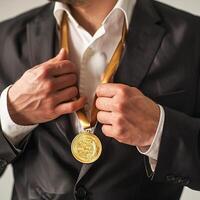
[(162, 60)]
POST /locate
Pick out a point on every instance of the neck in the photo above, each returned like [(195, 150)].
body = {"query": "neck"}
[(91, 14)]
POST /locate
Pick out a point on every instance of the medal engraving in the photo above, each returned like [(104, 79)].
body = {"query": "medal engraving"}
[(86, 147)]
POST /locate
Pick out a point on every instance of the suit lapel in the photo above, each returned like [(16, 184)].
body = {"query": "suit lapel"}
[(42, 37), (142, 43)]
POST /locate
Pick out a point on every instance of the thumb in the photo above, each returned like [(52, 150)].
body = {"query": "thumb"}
[(62, 55)]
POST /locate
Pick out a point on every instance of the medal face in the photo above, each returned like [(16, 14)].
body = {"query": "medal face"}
[(86, 147)]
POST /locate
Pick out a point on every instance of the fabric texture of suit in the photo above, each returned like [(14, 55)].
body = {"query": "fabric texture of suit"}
[(162, 59)]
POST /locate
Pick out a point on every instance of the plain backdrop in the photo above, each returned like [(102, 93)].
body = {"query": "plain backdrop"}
[(10, 8)]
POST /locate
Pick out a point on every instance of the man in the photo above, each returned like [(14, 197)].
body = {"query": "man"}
[(151, 108)]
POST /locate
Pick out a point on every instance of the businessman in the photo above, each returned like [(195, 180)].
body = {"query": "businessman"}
[(148, 112)]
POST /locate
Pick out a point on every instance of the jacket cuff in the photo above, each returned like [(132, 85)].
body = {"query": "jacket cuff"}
[(7, 152)]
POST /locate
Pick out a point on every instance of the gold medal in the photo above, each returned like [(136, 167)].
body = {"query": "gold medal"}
[(86, 147)]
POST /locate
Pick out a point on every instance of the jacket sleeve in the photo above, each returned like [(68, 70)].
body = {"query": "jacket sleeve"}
[(179, 154), (11, 68)]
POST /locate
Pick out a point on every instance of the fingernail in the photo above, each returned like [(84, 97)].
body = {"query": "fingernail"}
[(61, 50)]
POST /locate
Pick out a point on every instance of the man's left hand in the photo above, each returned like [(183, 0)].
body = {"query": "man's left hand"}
[(126, 114)]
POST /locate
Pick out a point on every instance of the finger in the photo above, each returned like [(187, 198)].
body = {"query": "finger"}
[(104, 117), (61, 68), (70, 107), (109, 89), (61, 56), (64, 81), (106, 90), (104, 104), (107, 130), (66, 95)]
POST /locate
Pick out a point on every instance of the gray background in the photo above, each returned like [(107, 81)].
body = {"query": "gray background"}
[(10, 8)]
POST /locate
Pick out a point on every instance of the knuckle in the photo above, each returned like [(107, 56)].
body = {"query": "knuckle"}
[(138, 101), (27, 72), (119, 140), (135, 90), (72, 107), (69, 64), (65, 63), (61, 64), (99, 116), (30, 74), (43, 72), (105, 131), (72, 66), (123, 90), (73, 78), (97, 102), (119, 120), (119, 131), (74, 91), (120, 106), (49, 86)]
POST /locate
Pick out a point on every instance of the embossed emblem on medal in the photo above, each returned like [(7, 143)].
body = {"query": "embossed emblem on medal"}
[(86, 147)]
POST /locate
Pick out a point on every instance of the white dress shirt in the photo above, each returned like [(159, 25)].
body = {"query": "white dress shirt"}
[(91, 55)]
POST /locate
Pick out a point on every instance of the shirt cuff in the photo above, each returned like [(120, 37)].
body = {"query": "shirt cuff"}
[(153, 150), (13, 132)]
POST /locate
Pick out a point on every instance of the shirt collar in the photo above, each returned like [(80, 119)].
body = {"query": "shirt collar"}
[(126, 6)]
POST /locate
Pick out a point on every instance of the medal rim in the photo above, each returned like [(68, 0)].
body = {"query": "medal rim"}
[(97, 141)]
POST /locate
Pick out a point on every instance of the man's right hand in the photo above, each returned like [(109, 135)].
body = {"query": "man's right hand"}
[(45, 92)]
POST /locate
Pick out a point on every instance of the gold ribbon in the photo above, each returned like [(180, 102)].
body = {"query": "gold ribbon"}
[(108, 73)]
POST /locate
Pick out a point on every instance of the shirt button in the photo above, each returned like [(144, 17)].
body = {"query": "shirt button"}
[(81, 193)]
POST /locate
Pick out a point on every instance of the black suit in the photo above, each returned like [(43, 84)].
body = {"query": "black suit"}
[(162, 60)]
